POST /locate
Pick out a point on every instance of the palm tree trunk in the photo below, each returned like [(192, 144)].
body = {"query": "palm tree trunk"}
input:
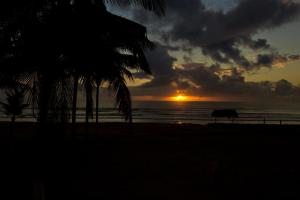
[(13, 119), (89, 98), (44, 99), (97, 103), (74, 103), (12, 126), (86, 109)]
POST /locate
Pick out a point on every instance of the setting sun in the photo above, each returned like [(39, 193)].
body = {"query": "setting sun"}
[(185, 98), (180, 98)]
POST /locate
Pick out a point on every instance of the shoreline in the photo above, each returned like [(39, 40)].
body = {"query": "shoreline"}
[(23, 129)]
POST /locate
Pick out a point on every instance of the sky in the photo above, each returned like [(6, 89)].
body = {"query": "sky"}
[(221, 50)]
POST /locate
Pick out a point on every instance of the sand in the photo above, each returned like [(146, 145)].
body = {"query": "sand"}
[(150, 161)]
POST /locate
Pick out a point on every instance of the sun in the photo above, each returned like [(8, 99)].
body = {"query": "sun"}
[(185, 98), (180, 98)]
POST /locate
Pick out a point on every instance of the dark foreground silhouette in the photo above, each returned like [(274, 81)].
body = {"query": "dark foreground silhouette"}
[(142, 161), (229, 113)]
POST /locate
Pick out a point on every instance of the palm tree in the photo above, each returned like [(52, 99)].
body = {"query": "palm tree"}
[(130, 37), (55, 38), (120, 34), (14, 104)]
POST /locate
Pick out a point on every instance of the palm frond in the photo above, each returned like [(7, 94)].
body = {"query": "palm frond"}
[(124, 31), (156, 6), (123, 97), (61, 100), (14, 102)]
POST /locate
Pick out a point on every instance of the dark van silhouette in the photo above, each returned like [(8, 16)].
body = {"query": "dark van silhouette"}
[(228, 113)]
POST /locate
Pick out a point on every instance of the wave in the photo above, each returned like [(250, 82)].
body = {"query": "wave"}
[(195, 112)]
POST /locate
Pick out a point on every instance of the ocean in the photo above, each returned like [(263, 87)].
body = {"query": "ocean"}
[(194, 113), (200, 112)]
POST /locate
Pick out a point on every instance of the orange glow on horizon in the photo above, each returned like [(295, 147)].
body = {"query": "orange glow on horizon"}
[(183, 98), (177, 98)]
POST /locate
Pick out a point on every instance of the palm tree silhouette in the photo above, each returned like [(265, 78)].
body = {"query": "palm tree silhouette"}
[(119, 33), (14, 104), (55, 40)]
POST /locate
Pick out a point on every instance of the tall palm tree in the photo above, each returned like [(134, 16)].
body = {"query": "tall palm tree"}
[(114, 33), (55, 38)]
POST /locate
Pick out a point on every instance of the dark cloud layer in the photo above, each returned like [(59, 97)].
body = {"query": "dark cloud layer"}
[(222, 36), (201, 80), (206, 81)]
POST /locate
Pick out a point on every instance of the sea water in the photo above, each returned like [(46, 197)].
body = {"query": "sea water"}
[(193, 112)]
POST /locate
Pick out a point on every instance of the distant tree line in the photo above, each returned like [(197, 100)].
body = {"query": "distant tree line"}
[(50, 47)]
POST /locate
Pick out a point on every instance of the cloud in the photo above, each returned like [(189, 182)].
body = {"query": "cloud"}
[(270, 60), (209, 81), (221, 35), (198, 79)]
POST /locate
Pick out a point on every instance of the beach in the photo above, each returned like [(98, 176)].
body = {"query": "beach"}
[(149, 100), (151, 161)]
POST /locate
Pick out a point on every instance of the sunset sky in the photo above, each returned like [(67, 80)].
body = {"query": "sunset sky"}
[(221, 50)]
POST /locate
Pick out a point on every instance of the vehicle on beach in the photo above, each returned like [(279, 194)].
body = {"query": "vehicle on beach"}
[(226, 113)]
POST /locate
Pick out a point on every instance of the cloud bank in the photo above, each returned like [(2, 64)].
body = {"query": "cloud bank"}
[(224, 37)]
